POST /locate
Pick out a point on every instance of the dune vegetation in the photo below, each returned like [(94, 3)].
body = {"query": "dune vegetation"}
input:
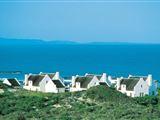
[(97, 103)]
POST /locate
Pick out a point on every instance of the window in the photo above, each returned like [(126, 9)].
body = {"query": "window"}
[(141, 94), (141, 86), (131, 94)]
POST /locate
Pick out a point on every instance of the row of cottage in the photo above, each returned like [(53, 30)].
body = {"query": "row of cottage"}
[(133, 86)]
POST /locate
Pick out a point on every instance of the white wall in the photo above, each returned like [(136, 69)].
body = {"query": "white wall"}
[(57, 76), (32, 88), (72, 89), (51, 87), (61, 90), (103, 78), (112, 81), (43, 83), (94, 82), (141, 89), (6, 82)]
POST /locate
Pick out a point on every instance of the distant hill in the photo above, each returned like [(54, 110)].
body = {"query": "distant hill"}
[(109, 43), (4, 41)]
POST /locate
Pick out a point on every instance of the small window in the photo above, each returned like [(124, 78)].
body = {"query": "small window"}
[(141, 86), (131, 94), (141, 94)]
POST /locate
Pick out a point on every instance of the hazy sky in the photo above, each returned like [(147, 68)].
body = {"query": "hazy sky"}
[(81, 21)]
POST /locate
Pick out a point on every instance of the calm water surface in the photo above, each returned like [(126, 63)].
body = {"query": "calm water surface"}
[(116, 60)]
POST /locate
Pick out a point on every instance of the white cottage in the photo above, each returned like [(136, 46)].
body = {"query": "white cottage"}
[(136, 86), (152, 84), (11, 82), (44, 83), (80, 83), (102, 78), (53, 76)]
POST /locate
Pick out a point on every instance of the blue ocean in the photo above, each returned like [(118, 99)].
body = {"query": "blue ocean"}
[(114, 59)]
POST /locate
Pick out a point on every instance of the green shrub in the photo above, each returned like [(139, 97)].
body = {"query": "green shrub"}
[(96, 103)]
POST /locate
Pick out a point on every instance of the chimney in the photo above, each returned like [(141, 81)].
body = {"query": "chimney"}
[(149, 80), (86, 74), (118, 83), (109, 78), (26, 76), (121, 77), (40, 73), (129, 76), (104, 77), (73, 80), (57, 75)]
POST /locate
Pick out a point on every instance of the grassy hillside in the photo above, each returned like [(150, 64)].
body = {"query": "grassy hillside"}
[(97, 103)]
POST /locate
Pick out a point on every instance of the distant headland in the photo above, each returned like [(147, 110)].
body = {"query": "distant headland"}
[(14, 41)]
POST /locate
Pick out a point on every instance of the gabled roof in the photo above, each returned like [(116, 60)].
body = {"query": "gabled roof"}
[(92, 75), (84, 81), (138, 77), (99, 76), (58, 83), (51, 75), (36, 79), (130, 83), (13, 82)]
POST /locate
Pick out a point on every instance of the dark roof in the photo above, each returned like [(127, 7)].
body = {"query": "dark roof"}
[(138, 77), (36, 79), (84, 81), (92, 75), (103, 83), (113, 77), (130, 83), (58, 83), (51, 75), (99, 77), (13, 82)]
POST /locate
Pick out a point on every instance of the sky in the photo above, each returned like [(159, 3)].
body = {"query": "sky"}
[(80, 21)]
